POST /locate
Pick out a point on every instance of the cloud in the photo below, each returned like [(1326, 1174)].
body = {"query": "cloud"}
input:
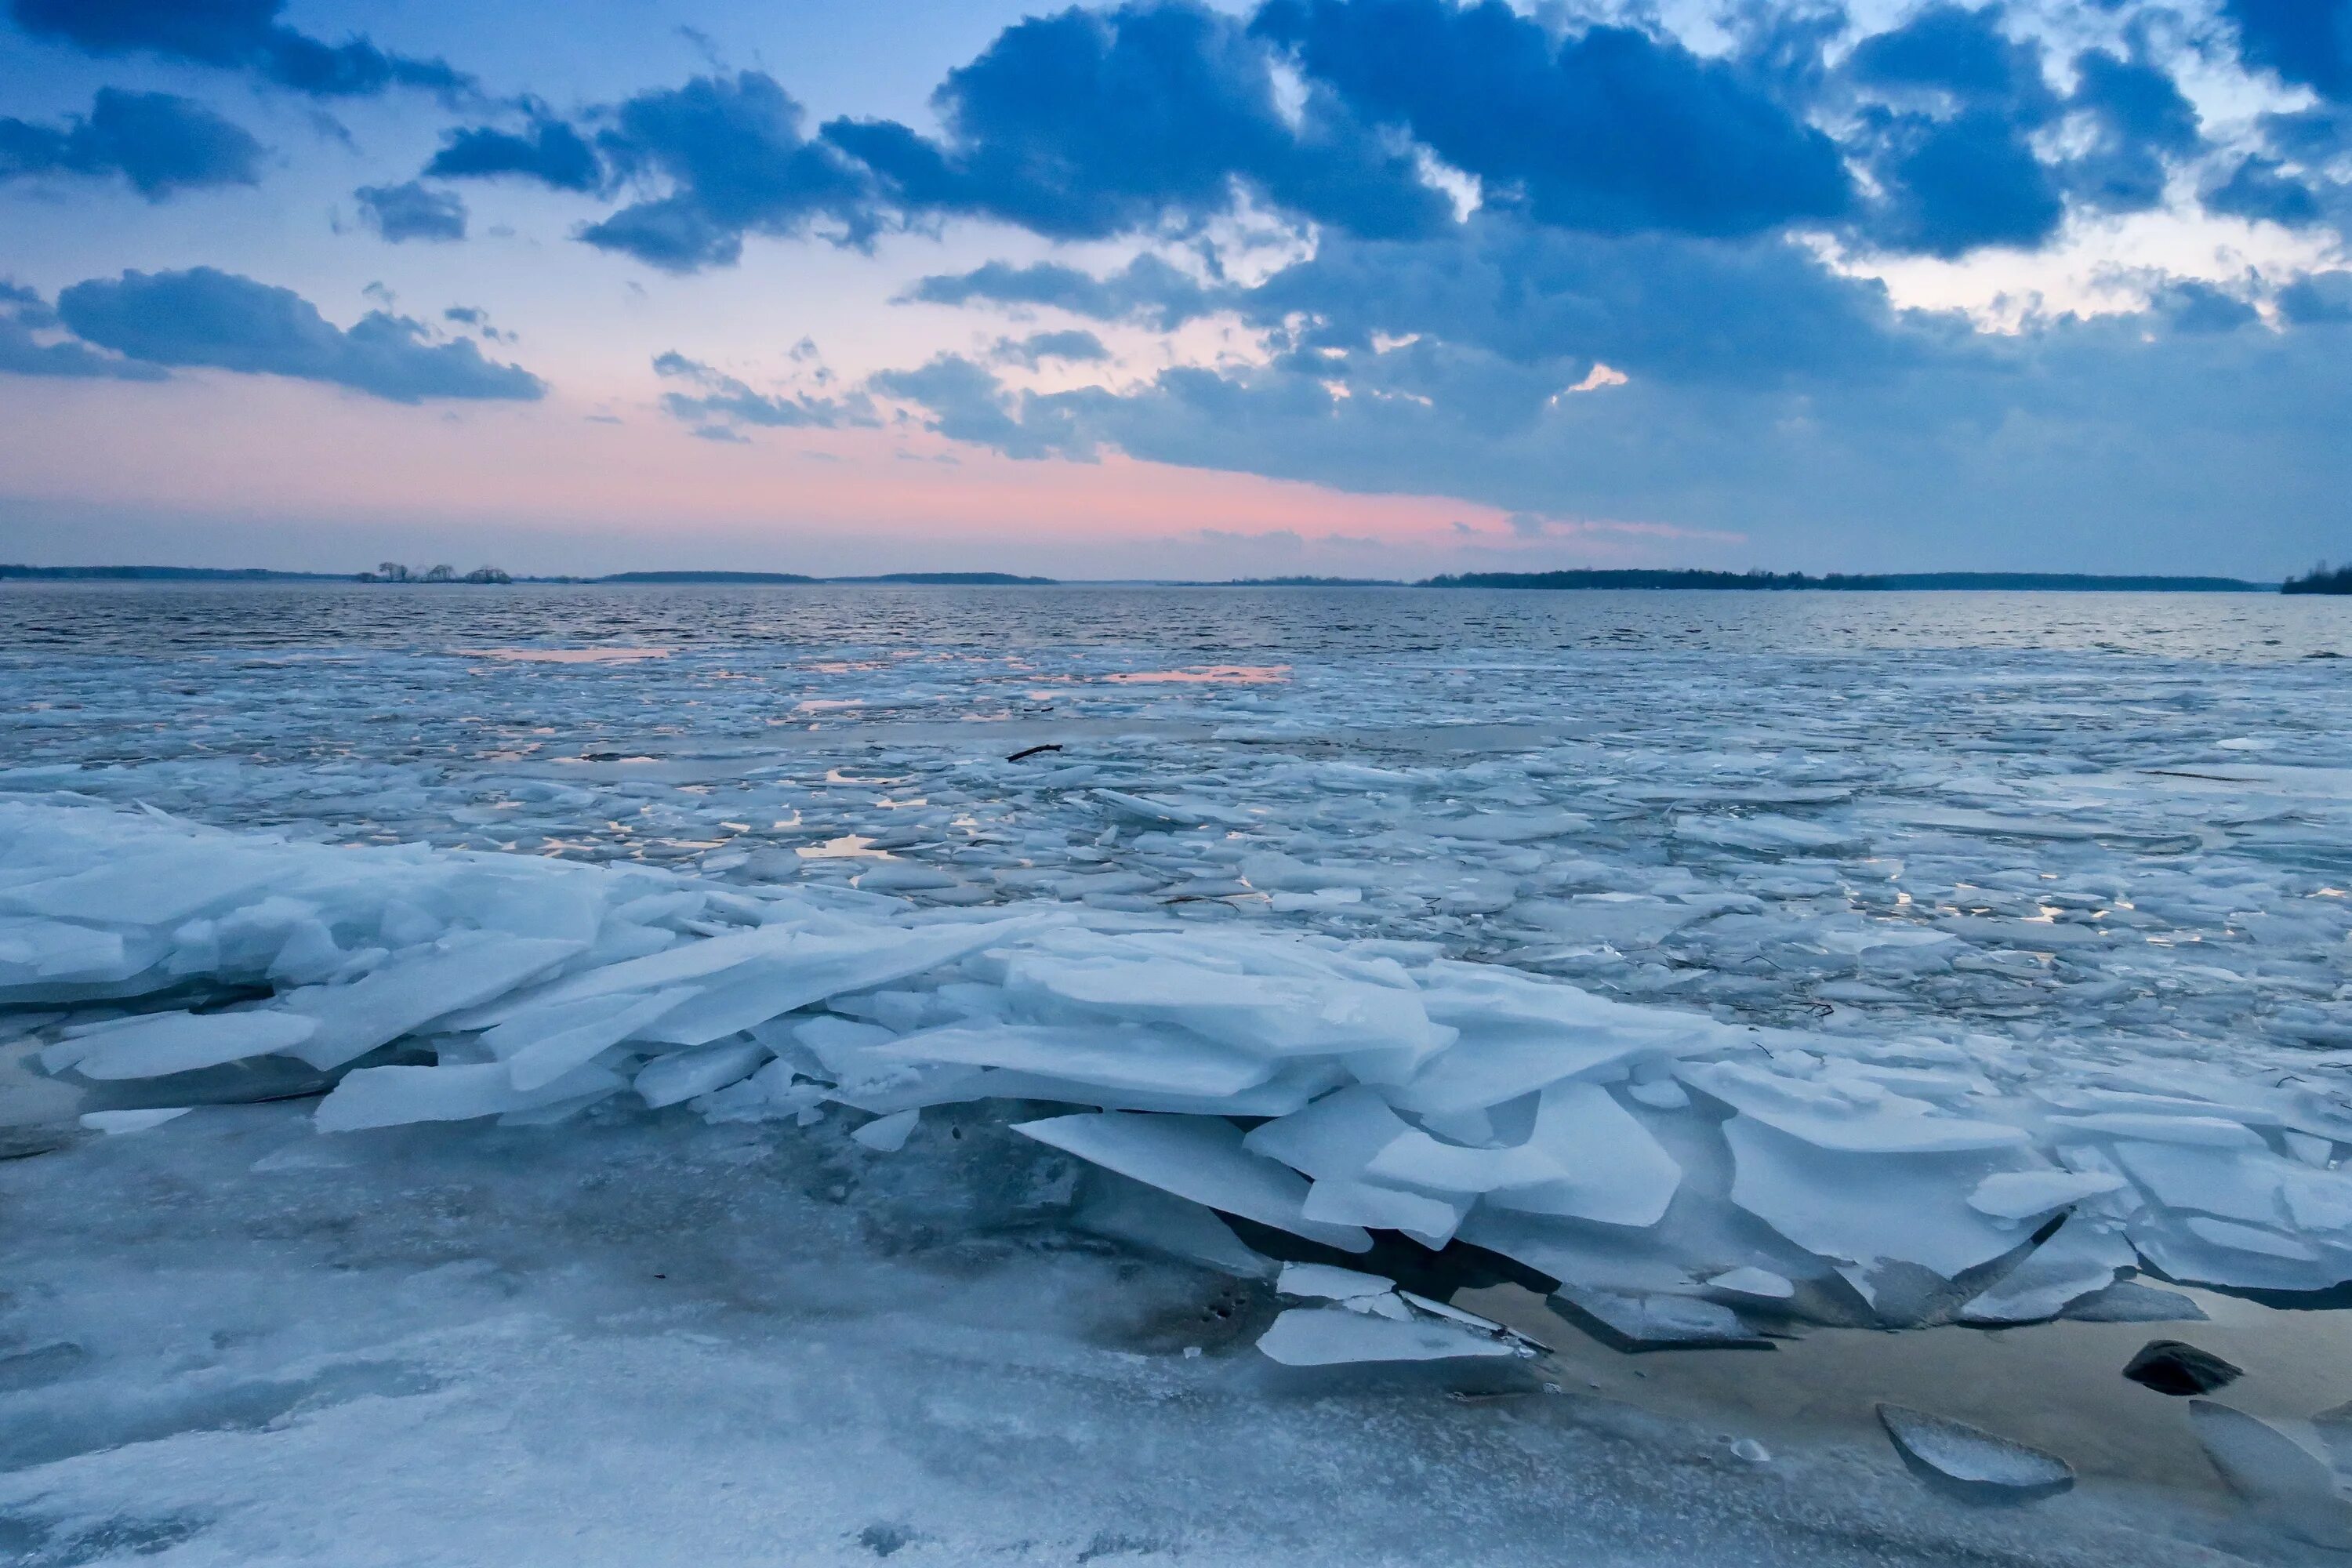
[(2141, 122), (1610, 129), (219, 319), (720, 402), (159, 143), (412, 212), (23, 314), (2257, 189), (2306, 42), (967, 402), (1147, 291), (1086, 124), (549, 151), (731, 159), (1767, 396), (231, 35), (1076, 346)]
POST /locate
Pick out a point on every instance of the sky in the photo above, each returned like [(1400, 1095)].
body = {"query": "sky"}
[(1352, 287)]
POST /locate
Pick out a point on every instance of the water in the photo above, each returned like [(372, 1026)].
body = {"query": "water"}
[(1291, 622)]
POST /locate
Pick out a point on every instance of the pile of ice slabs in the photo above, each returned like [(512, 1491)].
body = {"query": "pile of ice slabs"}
[(1679, 1176)]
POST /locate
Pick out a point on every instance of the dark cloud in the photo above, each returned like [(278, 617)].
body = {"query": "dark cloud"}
[(1950, 108), (2258, 189), (720, 402), (237, 34), (2306, 42), (548, 151), (729, 159), (1960, 55), (2141, 120), (412, 212), (1958, 184), (1077, 347), (219, 319), (1610, 129), (1086, 124), (159, 143), (1147, 291), (23, 314)]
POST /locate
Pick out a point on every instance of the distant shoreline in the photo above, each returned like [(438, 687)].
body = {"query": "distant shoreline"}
[(1749, 581)]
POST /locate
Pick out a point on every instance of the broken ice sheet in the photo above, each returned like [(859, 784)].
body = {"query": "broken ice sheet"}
[(1970, 1459)]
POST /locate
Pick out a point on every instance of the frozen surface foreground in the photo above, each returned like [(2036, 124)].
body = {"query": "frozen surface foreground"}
[(833, 1056)]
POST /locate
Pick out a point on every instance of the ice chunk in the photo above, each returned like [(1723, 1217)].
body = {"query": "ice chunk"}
[(1656, 1320), (2079, 1258), (132, 1121), (1196, 1157), (887, 1134), (2212, 1132), (1330, 1336), (1750, 1280), (1972, 1457), (464, 970), (1865, 1209), (1329, 1283), (1416, 1159), (543, 1043), (389, 1095), (159, 1043), (1613, 1170), (1335, 1138), (1113, 1057), (2286, 1478), (151, 887), (810, 968), (2024, 1194), (35, 950), (689, 1074), (1428, 1219), (1849, 1114), (1129, 1211)]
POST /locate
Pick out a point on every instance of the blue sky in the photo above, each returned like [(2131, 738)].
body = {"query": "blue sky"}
[(1356, 287)]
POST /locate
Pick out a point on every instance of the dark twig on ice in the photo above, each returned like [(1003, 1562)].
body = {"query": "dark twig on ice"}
[(1031, 752)]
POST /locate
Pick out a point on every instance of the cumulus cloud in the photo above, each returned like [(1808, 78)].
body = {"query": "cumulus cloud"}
[(159, 143), (1610, 129), (235, 35), (28, 344), (547, 151), (412, 211), (2306, 42), (1089, 123), (220, 321)]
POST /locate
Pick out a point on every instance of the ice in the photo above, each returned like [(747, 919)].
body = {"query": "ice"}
[(887, 1134), (1974, 1458), (388, 1096), (1659, 1320), (414, 989), (2283, 1475), (1330, 1336), (1331, 1283), (1118, 1057), (152, 1045), (1611, 1169), (1750, 1280), (545, 1043), (2080, 1258), (690, 1073), (132, 1121), (1195, 1157), (2028, 1194)]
